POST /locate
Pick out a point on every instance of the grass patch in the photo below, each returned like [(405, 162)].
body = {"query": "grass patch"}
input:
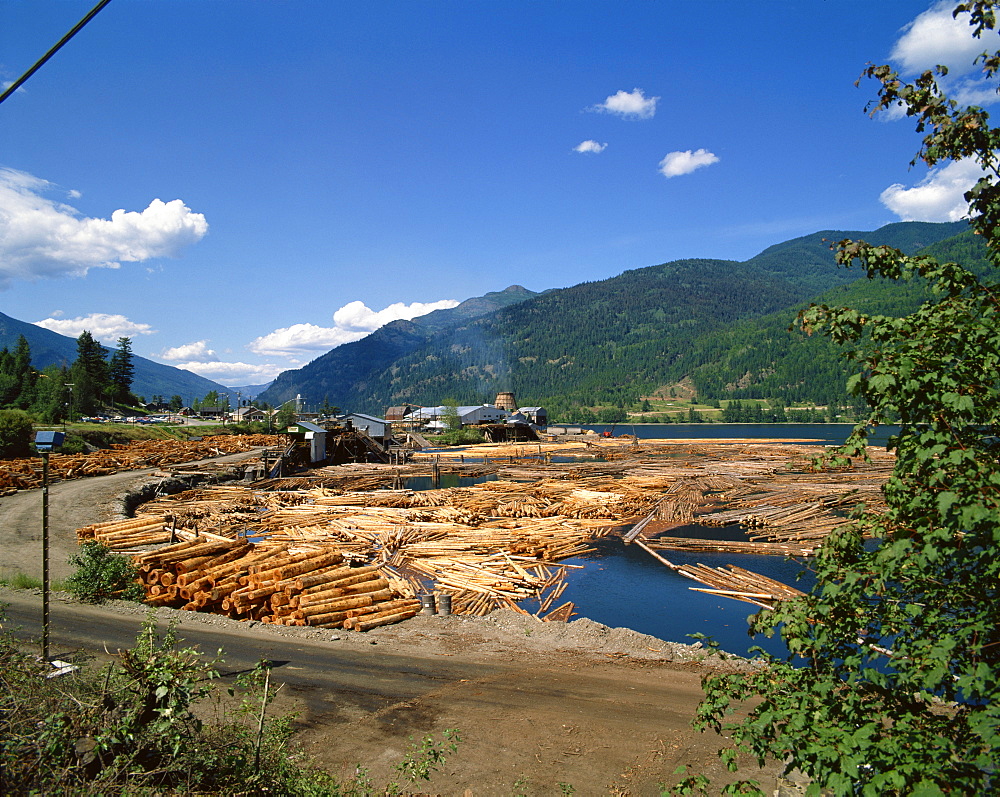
[(457, 437), (20, 581), (24, 581)]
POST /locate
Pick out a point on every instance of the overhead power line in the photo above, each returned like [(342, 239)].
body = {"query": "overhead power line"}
[(55, 48)]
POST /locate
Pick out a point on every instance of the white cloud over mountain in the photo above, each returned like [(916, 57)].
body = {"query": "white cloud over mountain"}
[(936, 37), (938, 197), (234, 373), (40, 237), (674, 164), (351, 322), (628, 104), (197, 351), (105, 327)]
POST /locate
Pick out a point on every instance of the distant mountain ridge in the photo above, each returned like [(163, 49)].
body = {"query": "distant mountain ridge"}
[(357, 363), (607, 342), (150, 379)]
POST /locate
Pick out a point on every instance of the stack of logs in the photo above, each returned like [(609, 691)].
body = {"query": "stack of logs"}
[(26, 474), (273, 585)]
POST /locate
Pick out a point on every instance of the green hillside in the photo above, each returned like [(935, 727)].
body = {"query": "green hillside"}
[(763, 358), (340, 374), (722, 324)]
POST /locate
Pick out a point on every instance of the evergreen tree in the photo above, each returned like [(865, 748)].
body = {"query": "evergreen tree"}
[(88, 375), (15, 433), (121, 371)]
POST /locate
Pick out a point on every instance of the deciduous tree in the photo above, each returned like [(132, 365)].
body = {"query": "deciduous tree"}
[(893, 686)]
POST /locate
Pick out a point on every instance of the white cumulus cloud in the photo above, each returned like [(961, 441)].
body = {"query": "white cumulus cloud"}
[(589, 146), (351, 322), (105, 327), (628, 104), (197, 351), (938, 197), (40, 237), (936, 37), (677, 163), (200, 359)]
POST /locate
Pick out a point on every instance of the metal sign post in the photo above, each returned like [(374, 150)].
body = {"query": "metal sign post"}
[(44, 443), (45, 555)]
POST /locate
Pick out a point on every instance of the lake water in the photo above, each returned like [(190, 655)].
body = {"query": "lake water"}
[(623, 586), (830, 434)]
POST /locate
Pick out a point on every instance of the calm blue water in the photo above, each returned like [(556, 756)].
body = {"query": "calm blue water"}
[(830, 434), (623, 586)]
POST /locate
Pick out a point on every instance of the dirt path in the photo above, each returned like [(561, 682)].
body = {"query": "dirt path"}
[(72, 504), (604, 711)]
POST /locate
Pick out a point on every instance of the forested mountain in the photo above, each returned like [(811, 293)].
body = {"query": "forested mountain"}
[(763, 358), (721, 323), (338, 375), (149, 379)]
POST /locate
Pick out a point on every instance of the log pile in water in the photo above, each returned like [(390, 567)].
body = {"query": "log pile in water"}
[(491, 545), (743, 585), (729, 546)]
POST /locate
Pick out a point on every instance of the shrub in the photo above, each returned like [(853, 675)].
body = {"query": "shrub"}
[(459, 437), (15, 434), (74, 444), (101, 575), (131, 728)]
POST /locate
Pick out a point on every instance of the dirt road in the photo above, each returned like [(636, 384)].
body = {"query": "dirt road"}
[(72, 504), (603, 711)]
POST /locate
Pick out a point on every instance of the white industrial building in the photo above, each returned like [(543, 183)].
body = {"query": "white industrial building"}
[(435, 417), (369, 424)]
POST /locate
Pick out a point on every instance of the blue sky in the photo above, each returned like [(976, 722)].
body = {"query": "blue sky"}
[(240, 185)]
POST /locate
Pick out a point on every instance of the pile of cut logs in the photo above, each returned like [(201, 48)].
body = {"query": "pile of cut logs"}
[(285, 553), (25, 474), (273, 585)]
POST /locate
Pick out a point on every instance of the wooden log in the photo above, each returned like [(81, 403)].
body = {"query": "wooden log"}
[(214, 564), (328, 619), (308, 565), (371, 585), (388, 619), (383, 606), (315, 579), (338, 604), (336, 588), (560, 614)]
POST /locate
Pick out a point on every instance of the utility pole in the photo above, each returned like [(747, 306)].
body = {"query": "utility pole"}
[(69, 405)]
